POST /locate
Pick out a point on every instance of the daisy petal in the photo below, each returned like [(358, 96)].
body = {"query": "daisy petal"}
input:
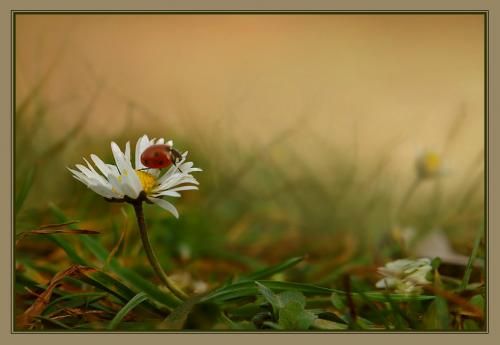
[(184, 188), (168, 193), (142, 144), (127, 151), (100, 164), (165, 205)]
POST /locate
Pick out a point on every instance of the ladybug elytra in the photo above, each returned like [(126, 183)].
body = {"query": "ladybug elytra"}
[(160, 156)]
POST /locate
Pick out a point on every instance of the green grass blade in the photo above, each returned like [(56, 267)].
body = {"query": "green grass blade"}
[(68, 248), (472, 258), (376, 296), (24, 190), (246, 289), (73, 300), (268, 272), (123, 293), (131, 277), (177, 319), (134, 302)]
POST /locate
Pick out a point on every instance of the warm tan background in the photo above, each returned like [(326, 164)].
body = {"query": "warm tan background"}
[(366, 82)]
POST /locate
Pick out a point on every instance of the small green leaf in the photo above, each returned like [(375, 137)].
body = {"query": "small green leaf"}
[(478, 301), (294, 317), (337, 301), (269, 296), (435, 263), (291, 296), (471, 325), (437, 315)]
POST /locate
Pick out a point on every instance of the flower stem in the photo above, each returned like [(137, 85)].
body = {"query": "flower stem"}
[(409, 194), (151, 255)]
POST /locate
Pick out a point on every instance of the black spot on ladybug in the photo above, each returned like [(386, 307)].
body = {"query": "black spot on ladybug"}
[(146, 162), (160, 162), (156, 154)]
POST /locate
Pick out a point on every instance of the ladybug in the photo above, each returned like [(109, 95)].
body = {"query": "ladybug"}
[(160, 156)]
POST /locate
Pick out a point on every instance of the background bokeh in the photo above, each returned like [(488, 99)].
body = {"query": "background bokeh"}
[(307, 126)]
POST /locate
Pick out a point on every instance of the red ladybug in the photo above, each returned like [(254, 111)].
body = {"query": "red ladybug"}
[(160, 156)]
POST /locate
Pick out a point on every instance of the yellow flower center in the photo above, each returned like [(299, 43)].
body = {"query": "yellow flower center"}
[(148, 181), (432, 162)]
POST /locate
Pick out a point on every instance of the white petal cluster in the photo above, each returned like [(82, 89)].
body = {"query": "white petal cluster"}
[(405, 276), (120, 180)]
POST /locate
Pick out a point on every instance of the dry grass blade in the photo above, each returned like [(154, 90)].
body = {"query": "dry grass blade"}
[(116, 247), (42, 231), (24, 320), (467, 307), (59, 224)]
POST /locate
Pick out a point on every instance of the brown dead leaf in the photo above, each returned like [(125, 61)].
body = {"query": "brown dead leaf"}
[(467, 307), (43, 299)]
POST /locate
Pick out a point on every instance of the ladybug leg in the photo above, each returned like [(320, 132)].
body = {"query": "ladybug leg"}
[(175, 164), (176, 158), (176, 154)]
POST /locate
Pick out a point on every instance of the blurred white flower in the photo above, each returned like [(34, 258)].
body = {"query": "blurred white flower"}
[(120, 181), (429, 164), (405, 276)]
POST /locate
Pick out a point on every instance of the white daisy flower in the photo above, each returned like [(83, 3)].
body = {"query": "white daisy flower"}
[(405, 276), (122, 182)]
